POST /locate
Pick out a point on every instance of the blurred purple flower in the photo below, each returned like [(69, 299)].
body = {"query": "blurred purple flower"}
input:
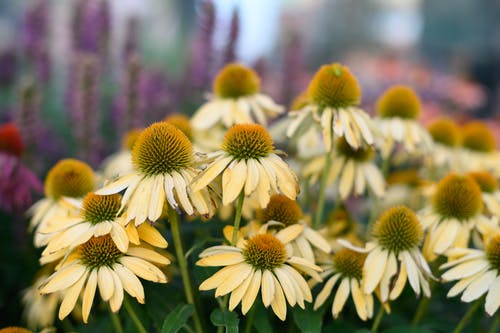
[(234, 30), (293, 68), (17, 182), (85, 107), (27, 114), (34, 38), (157, 95), (91, 27), (131, 47), (8, 68)]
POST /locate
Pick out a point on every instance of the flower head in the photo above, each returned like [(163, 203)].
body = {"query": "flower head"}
[(478, 137), (445, 131), (236, 80), (181, 122), (334, 86), (280, 209), (486, 181), (69, 178), (130, 138), (248, 163), (399, 101), (260, 262)]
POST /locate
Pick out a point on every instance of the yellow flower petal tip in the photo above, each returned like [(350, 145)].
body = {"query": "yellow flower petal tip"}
[(129, 139), (445, 131), (281, 209), (398, 229), (478, 137), (486, 181), (265, 252), (181, 122), (334, 86), (162, 148), (349, 263), (362, 154), (247, 141), (398, 101), (69, 178), (100, 208), (99, 251), (493, 252), (236, 80), (457, 197)]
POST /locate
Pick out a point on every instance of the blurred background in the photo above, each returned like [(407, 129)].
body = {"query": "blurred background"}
[(76, 75)]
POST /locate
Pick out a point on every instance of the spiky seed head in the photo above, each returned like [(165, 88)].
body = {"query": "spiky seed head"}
[(69, 178), (236, 80), (264, 252), (399, 101), (486, 181), (493, 252), (247, 141), (100, 208), (410, 177), (334, 86), (181, 122), (478, 137), (129, 139), (281, 209), (446, 132), (349, 263), (99, 252), (160, 149), (362, 154)]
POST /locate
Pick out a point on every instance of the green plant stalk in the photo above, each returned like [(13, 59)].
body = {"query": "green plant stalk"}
[(115, 320), (188, 289), (495, 325), (378, 319), (423, 305), (468, 315), (249, 323), (322, 189), (133, 316)]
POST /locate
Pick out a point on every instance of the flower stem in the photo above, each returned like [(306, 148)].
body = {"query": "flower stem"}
[(322, 189), (188, 290), (133, 316), (468, 315), (421, 310), (378, 318), (494, 326), (115, 319), (248, 325), (237, 218)]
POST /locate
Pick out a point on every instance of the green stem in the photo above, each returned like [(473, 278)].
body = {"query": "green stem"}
[(249, 324), (237, 218), (115, 319), (495, 325), (188, 290), (133, 316), (468, 315), (378, 318), (423, 305), (322, 189)]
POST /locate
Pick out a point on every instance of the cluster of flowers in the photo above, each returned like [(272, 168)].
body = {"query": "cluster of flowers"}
[(100, 229)]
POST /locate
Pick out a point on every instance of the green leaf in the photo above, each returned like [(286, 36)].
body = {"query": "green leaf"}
[(225, 318), (177, 318), (308, 320), (364, 330), (407, 329), (262, 324)]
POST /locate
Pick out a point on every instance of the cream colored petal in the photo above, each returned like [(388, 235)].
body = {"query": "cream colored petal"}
[(63, 278), (479, 286), (119, 237), (219, 277), (234, 279), (181, 191), (340, 297), (327, 128), (267, 290), (446, 237), (493, 297), (399, 284), (143, 269), (300, 282), (347, 179), (251, 292), (462, 284), (326, 291), (130, 282), (148, 255), (88, 295), (286, 179), (263, 187), (102, 228), (252, 177), (129, 192), (239, 292), (116, 301), (390, 270), (151, 235), (233, 180), (221, 259), (412, 271), (348, 130), (207, 115), (71, 296), (304, 249), (359, 299), (362, 122), (278, 304), (139, 202), (317, 240), (157, 198), (464, 270), (116, 186), (288, 234), (105, 283), (295, 124), (303, 263), (169, 192), (359, 180), (219, 249), (287, 286), (373, 269), (375, 179)]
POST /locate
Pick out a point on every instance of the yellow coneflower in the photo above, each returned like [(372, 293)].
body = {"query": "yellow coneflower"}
[(69, 178), (340, 224), (489, 189), (447, 139), (163, 168), (478, 147), (98, 263), (455, 209), (334, 94), (353, 168), (236, 99), (98, 217), (394, 256), (398, 109), (345, 266), (478, 272), (120, 163), (182, 122), (282, 212), (261, 262), (249, 163)]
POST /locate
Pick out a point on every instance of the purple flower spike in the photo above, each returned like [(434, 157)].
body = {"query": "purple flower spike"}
[(234, 30)]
